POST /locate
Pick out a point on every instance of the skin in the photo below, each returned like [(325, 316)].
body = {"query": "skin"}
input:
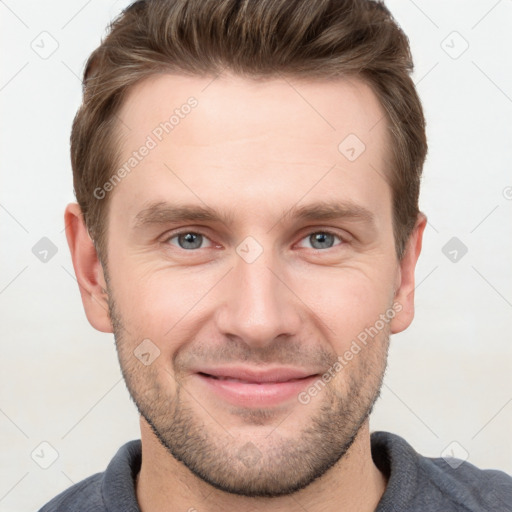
[(255, 150)]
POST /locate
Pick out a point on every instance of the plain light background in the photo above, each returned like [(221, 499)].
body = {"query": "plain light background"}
[(448, 385)]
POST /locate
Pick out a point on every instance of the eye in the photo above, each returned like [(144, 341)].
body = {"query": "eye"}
[(189, 240), (322, 239)]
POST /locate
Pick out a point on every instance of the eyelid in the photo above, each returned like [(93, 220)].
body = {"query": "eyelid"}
[(173, 234), (327, 231), (310, 231)]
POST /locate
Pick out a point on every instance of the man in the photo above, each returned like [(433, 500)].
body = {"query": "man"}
[(247, 177)]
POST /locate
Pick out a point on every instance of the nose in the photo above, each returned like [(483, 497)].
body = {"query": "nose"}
[(258, 304)]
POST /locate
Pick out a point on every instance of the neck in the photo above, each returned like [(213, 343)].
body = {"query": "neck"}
[(353, 484)]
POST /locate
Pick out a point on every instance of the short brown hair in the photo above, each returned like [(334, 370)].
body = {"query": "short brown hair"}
[(252, 38)]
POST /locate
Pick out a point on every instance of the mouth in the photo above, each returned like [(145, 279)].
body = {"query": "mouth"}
[(252, 391), (233, 379)]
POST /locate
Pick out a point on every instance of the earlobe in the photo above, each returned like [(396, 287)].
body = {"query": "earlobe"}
[(404, 294), (88, 269)]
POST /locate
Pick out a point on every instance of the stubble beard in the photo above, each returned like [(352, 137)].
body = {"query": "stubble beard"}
[(264, 466)]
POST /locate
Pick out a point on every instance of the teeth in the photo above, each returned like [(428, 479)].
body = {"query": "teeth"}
[(235, 380), (247, 382)]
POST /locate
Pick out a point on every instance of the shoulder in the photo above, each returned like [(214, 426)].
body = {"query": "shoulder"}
[(85, 495), (425, 483), (489, 489), (110, 491)]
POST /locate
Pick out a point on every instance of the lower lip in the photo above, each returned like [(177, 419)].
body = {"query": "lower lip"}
[(250, 394)]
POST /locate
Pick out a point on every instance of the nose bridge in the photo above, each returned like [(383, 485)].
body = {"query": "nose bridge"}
[(257, 306)]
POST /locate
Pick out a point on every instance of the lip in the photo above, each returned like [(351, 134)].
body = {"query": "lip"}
[(252, 388), (257, 376)]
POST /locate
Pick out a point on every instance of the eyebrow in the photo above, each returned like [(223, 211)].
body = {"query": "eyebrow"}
[(161, 212)]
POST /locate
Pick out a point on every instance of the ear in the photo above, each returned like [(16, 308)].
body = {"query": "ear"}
[(88, 269), (404, 288)]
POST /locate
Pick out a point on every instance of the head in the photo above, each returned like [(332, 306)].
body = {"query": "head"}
[(247, 177)]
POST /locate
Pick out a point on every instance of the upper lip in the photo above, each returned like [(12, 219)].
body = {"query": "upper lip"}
[(247, 374)]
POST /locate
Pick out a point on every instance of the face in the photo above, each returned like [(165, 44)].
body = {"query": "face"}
[(253, 237)]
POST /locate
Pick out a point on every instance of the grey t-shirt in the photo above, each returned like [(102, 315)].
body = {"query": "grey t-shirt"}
[(415, 483)]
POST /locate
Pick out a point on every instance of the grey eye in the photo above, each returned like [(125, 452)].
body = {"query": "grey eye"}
[(189, 240), (321, 240)]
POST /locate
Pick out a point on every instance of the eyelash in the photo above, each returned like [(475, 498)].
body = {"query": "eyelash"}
[(323, 231)]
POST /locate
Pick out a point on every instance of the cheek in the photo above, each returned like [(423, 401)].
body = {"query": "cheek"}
[(157, 303), (166, 304), (345, 300)]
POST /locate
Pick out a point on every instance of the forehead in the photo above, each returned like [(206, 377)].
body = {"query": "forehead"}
[(247, 138), (234, 106)]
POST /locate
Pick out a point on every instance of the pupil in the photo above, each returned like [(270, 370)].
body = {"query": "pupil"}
[(322, 239), (191, 241)]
